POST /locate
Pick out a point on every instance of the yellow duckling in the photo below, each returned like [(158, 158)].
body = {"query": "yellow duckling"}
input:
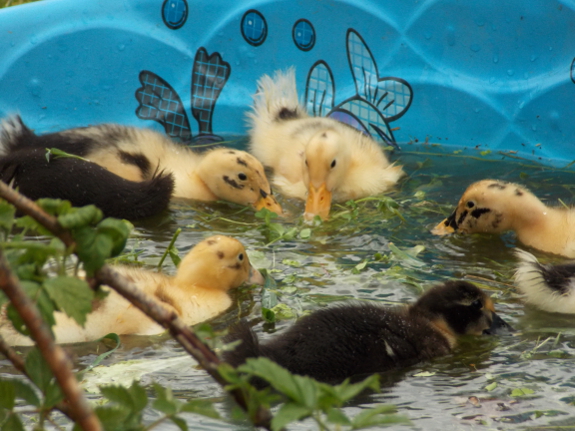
[(548, 287), (317, 159), (139, 154), (198, 292), (352, 339), (493, 206)]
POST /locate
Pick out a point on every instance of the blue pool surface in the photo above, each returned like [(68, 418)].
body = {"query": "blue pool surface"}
[(492, 76)]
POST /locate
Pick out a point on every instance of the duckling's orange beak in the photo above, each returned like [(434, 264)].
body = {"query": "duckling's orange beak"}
[(267, 200), (255, 277), (442, 229), (318, 202), (447, 226)]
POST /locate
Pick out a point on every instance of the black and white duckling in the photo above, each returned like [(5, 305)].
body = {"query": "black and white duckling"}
[(548, 287), (362, 338), (139, 154), (199, 291), (317, 159), (493, 206)]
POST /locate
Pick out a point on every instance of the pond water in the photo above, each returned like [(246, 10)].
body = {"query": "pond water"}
[(371, 252)]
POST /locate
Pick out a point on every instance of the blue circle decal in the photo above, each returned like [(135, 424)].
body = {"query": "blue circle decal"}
[(254, 27), (303, 34), (175, 13)]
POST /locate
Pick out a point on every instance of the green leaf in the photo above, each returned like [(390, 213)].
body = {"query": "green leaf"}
[(7, 394), (303, 390), (80, 217), (288, 413), (424, 374), (92, 249), (176, 259), (38, 370), (53, 394), (268, 315), (118, 395), (139, 397), (269, 298), (380, 415), (491, 386), (180, 423), (7, 212), (24, 391), (118, 231), (305, 233), (336, 416), (201, 407), (71, 295), (346, 391), (54, 206), (12, 424), (58, 154), (520, 392)]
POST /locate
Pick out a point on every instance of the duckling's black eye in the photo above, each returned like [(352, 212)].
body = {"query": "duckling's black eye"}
[(242, 176), (240, 257), (477, 304), (333, 164), (470, 204)]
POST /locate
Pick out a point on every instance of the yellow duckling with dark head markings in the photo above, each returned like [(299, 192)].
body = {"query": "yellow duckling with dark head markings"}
[(493, 206), (548, 287), (140, 154), (346, 340), (317, 159), (199, 291)]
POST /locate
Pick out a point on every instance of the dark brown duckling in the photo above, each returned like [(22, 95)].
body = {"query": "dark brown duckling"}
[(346, 340)]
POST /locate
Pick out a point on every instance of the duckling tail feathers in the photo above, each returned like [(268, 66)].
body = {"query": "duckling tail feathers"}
[(549, 287), (248, 348), (13, 134), (277, 99)]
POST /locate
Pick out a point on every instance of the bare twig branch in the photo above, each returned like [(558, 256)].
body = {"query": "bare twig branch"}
[(168, 319), (18, 363), (54, 355)]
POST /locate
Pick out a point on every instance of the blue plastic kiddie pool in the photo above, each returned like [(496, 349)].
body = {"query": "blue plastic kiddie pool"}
[(495, 76)]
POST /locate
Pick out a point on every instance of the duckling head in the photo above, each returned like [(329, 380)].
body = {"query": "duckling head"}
[(326, 160), (218, 262), (488, 206), (459, 308), (239, 177)]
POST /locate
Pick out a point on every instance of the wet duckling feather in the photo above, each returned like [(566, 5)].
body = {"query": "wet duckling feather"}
[(199, 291), (317, 159), (493, 206), (548, 287), (359, 338)]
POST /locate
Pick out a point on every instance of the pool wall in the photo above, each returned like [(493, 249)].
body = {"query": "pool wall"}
[(487, 75)]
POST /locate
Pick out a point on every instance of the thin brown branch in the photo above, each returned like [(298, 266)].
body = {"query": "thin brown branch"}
[(169, 320), (18, 363), (181, 332), (54, 355), (32, 209)]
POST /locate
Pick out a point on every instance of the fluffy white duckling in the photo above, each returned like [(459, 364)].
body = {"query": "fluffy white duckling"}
[(494, 206), (548, 287), (139, 154), (317, 159), (199, 291)]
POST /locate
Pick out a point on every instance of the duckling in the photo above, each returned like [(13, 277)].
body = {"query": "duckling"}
[(548, 287), (82, 183), (199, 291), (346, 340), (494, 206), (138, 154), (317, 159)]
